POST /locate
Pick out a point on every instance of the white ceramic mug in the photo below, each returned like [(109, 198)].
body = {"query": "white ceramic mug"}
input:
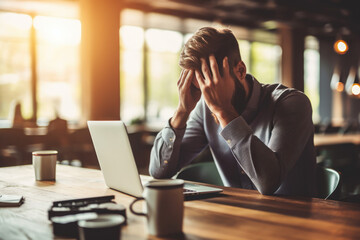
[(44, 163), (165, 207)]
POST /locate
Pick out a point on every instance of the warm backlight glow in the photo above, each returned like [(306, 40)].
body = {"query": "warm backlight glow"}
[(58, 30), (132, 37), (355, 89), (341, 47), (16, 20), (339, 87), (163, 40), (132, 43)]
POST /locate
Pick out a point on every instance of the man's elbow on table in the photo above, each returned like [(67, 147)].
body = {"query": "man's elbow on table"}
[(159, 173), (266, 191), (268, 188), (154, 172)]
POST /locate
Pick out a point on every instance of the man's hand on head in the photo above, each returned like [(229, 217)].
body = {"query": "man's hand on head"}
[(217, 90), (189, 95)]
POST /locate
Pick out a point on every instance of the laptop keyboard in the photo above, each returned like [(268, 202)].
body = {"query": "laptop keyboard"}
[(188, 190)]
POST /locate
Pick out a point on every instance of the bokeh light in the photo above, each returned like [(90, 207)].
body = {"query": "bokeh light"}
[(341, 47), (355, 89)]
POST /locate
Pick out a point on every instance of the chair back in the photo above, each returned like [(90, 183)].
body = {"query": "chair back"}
[(341, 157), (12, 146), (11, 136), (82, 148), (328, 183), (205, 172)]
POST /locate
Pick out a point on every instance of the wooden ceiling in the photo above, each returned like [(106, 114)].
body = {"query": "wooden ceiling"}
[(317, 17)]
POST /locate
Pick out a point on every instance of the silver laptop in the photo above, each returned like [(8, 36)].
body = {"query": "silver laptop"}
[(117, 161)]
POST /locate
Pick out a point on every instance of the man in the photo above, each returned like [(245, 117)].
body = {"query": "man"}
[(260, 136)]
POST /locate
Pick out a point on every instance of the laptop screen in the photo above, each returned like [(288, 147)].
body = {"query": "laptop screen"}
[(117, 163), (115, 156)]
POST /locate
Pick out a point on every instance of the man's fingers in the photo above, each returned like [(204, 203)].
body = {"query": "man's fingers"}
[(199, 79), (188, 79), (214, 68), (205, 70), (182, 78), (226, 67)]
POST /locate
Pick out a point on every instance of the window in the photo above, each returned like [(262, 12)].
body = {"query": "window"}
[(56, 50), (265, 62), (312, 75), (15, 68), (149, 67), (58, 46), (131, 73), (163, 71), (245, 48)]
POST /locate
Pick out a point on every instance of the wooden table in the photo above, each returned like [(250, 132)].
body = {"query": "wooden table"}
[(236, 214)]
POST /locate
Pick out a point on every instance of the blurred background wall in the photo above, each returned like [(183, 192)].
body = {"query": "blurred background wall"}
[(112, 59)]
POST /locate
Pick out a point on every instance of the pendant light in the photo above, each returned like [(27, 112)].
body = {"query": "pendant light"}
[(341, 47)]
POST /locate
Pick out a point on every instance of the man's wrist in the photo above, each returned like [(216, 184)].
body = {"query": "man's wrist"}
[(179, 119), (225, 117)]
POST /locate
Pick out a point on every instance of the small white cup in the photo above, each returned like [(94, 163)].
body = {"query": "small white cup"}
[(165, 207), (44, 163)]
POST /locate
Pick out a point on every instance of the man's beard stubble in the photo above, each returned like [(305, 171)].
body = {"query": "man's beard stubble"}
[(238, 99)]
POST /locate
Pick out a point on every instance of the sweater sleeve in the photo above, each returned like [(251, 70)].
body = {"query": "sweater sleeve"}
[(267, 165), (175, 148)]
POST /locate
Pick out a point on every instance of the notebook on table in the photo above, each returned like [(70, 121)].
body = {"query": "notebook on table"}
[(117, 162), (11, 200)]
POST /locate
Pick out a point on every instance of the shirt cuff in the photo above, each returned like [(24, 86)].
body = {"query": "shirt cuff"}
[(170, 134), (235, 131)]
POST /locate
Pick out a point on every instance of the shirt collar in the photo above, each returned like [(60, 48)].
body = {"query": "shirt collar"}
[(252, 105)]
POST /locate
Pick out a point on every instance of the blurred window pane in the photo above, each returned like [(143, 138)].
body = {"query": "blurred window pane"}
[(265, 62), (58, 45), (131, 73), (187, 37), (245, 47), (163, 40), (312, 74), (163, 72), (15, 69)]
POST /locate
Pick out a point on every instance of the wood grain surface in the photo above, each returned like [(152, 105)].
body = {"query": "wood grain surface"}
[(234, 214)]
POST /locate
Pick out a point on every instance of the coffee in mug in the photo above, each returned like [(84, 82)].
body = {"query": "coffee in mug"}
[(165, 207)]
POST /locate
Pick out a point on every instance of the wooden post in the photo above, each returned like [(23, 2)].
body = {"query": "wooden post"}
[(33, 62), (292, 42), (100, 59)]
